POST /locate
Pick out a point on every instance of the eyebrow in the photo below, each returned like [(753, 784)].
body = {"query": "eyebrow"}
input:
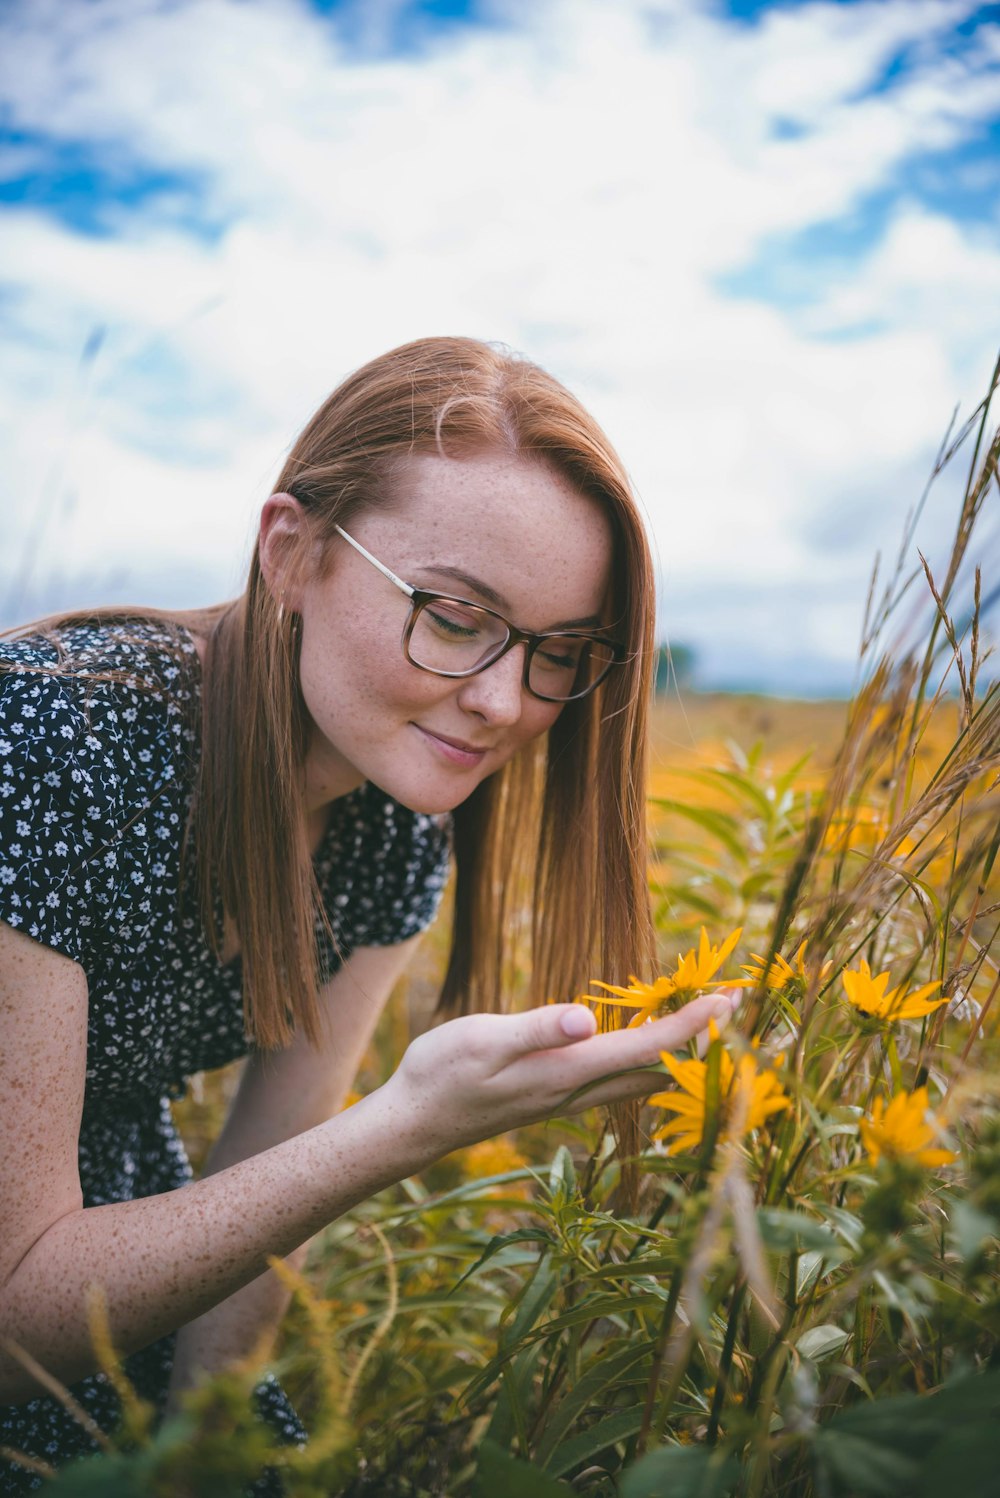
[(476, 585)]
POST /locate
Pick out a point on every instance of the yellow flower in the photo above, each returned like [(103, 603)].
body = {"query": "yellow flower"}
[(870, 995), (903, 1130), (864, 829), (694, 971), (781, 972), (495, 1157), (748, 1096), (492, 1157)]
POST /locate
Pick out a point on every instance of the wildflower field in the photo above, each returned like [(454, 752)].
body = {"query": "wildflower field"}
[(803, 1297)]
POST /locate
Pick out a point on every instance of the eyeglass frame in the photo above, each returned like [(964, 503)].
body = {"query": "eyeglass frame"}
[(421, 597)]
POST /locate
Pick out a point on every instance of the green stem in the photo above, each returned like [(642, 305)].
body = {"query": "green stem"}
[(894, 1066), (666, 1323), (761, 1460), (725, 1363)]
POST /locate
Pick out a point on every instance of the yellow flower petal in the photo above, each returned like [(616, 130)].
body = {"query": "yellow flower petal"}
[(903, 1130), (873, 997)]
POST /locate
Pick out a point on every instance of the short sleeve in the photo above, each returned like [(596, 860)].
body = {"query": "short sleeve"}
[(382, 873), (51, 779), (89, 761)]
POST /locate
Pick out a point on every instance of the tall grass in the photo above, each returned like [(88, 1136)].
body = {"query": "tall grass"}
[(807, 1300)]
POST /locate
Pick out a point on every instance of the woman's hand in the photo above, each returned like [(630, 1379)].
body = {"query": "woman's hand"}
[(485, 1073)]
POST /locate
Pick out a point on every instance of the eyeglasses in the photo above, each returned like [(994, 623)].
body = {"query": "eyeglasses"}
[(452, 637)]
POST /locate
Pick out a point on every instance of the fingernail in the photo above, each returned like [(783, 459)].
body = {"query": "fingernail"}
[(722, 1009), (577, 1022)]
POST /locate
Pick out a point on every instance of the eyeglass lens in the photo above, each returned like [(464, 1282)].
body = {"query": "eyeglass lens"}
[(455, 638)]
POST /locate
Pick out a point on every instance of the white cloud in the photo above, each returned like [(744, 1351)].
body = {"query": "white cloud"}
[(572, 180)]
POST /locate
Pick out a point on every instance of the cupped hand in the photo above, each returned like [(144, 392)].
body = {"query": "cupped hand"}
[(479, 1075)]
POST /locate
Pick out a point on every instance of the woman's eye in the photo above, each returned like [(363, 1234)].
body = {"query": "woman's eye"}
[(555, 659), (453, 622)]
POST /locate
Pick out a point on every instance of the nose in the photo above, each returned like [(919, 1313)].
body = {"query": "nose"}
[(497, 694)]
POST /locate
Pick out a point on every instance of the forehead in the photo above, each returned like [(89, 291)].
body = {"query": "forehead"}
[(516, 523)]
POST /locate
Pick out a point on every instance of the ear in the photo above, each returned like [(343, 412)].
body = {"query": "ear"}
[(282, 545)]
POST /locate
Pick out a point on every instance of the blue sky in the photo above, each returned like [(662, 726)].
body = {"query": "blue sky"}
[(761, 240)]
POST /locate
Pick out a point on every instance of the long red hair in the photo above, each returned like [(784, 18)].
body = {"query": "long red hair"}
[(554, 845)]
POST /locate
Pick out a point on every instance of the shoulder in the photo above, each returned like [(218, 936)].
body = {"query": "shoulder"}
[(97, 684), (96, 722)]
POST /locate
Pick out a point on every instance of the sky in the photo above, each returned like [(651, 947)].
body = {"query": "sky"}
[(759, 238)]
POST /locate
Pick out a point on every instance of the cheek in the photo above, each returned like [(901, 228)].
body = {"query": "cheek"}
[(352, 677), (537, 718)]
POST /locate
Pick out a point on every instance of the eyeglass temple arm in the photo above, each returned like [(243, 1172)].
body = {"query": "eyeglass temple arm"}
[(403, 587)]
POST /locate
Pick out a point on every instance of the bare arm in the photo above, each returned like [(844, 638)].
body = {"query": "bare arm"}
[(164, 1260), (280, 1095)]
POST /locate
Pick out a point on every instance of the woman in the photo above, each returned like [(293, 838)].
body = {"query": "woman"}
[(222, 833)]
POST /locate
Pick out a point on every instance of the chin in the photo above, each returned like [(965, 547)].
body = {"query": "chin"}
[(428, 800)]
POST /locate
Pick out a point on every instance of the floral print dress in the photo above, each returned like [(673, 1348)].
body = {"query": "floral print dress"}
[(96, 779)]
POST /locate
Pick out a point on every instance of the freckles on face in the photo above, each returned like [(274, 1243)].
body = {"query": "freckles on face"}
[(496, 530)]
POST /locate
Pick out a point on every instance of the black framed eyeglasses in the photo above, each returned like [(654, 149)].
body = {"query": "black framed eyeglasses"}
[(452, 637)]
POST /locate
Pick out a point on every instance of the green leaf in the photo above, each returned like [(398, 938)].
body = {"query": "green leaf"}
[(719, 824), (964, 1461), (120, 1474), (970, 1228), (107, 1476), (500, 1475), (539, 1291), (470, 1189), (760, 883), (503, 1240), (807, 1271), (604, 1371), (991, 854), (742, 788), (821, 1342), (782, 1231), (685, 895), (590, 1443), (965, 1401), (846, 1224), (680, 1472), (516, 1377), (609, 1306), (562, 1173), (786, 780), (966, 1307), (881, 1449), (864, 1467)]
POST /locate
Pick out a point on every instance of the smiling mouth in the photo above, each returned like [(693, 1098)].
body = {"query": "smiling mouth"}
[(455, 749)]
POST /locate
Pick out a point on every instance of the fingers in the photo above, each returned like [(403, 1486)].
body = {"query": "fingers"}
[(675, 1030), (733, 997), (556, 1026), (553, 1026)]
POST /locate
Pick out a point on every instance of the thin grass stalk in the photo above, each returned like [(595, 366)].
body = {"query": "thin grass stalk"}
[(57, 1390), (725, 1362)]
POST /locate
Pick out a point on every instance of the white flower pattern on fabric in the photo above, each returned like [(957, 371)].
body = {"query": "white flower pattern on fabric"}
[(96, 779)]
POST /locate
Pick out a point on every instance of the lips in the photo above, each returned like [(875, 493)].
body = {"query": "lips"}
[(457, 743), (456, 751)]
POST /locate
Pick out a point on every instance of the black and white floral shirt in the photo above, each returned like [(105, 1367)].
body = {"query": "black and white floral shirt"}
[(96, 778)]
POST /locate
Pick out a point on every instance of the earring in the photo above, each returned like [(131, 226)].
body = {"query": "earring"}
[(281, 611)]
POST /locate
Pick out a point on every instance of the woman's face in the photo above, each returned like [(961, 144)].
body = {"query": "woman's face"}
[(495, 529)]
